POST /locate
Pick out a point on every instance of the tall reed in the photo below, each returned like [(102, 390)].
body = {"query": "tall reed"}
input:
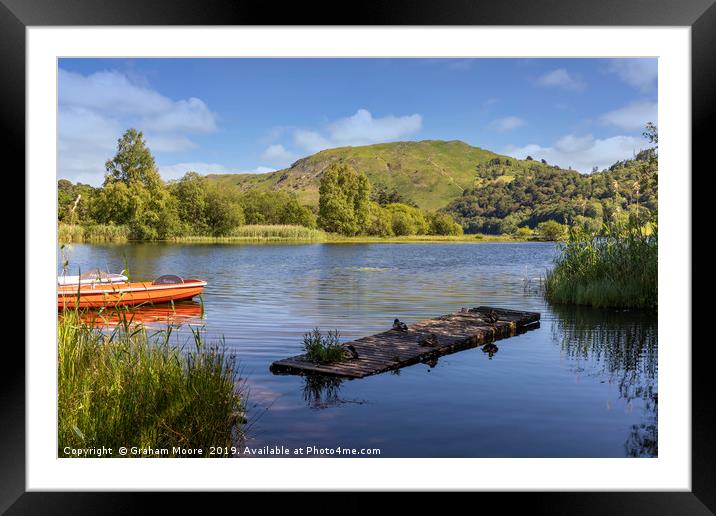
[(263, 233), (131, 388), (92, 233), (616, 267)]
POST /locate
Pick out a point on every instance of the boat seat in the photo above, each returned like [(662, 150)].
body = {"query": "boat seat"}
[(168, 279)]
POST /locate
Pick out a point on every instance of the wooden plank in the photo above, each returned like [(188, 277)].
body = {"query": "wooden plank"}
[(392, 349)]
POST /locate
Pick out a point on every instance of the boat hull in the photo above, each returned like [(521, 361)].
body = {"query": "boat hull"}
[(125, 294)]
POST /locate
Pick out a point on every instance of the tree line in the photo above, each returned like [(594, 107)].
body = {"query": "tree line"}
[(134, 195), (501, 203)]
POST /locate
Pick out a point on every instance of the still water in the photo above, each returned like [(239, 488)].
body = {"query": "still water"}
[(584, 384)]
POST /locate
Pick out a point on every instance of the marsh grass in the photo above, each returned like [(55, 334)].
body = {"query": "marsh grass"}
[(614, 268), (67, 233), (262, 233), (131, 388), (323, 349)]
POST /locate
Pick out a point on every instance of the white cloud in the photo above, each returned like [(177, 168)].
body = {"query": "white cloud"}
[(561, 78), (94, 110), (259, 170), (632, 116), (640, 73), (278, 154), (359, 129), (507, 123), (176, 171), (311, 140), (582, 152)]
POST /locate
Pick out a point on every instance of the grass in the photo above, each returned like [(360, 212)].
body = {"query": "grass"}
[(270, 233), (322, 349), (67, 233), (133, 389), (263, 233), (615, 268), (425, 239)]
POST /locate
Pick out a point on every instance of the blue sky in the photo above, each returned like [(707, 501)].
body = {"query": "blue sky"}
[(258, 115)]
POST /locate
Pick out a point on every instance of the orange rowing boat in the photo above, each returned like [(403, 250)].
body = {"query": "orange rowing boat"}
[(97, 295)]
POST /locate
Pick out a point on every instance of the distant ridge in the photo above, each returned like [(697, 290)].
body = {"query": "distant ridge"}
[(430, 173)]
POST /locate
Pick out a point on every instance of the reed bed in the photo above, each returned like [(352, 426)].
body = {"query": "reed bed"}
[(262, 233), (67, 233), (616, 267), (129, 388)]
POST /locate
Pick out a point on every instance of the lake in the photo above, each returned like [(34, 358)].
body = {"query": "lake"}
[(584, 384)]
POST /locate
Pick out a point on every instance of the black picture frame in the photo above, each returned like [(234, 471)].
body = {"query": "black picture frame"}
[(700, 15)]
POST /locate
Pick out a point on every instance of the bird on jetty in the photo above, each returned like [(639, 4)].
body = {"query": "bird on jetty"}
[(399, 325), (492, 317), (430, 340), (352, 351)]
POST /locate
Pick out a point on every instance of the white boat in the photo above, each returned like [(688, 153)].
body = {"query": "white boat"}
[(92, 278)]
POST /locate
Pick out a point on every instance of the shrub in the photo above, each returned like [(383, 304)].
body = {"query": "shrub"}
[(323, 349), (129, 388), (524, 232), (443, 224), (618, 268), (551, 230)]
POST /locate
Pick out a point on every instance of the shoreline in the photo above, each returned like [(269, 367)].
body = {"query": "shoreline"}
[(281, 234), (470, 239)]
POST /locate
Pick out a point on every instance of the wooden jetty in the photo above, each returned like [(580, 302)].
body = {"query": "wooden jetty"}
[(424, 341)]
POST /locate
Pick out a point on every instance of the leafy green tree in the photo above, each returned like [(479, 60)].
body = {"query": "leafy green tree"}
[(379, 221), (133, 192), (443, 224), (406, 220), (223, 210), (344, 200), (191, 195), (551, 230), (294, 213), (74, 202), (523, 232), (383, 195), (276, 207)]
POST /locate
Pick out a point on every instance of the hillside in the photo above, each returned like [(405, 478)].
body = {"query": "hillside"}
[(429, 173)]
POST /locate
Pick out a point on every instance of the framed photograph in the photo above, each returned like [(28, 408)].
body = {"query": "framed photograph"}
[(416, 253)]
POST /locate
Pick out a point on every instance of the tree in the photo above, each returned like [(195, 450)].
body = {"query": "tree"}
[(523, 232), (223, 210), (379, 221), (551, 230), (191, 195), (406, 220), (443, 224), (134, 193), (344, 197)]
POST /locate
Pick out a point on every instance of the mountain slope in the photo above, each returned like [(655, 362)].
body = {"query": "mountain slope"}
[(430, 173)]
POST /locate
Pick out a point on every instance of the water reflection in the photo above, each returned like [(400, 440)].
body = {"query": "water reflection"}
[(151, 315), (620, 347), (322, 391)]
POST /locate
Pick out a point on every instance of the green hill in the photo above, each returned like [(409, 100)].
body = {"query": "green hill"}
[(429, 173)]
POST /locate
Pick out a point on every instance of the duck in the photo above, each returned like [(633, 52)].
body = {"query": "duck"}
[(399, 325), (352, 351), (490, 348), (431, 340), (492, 317)]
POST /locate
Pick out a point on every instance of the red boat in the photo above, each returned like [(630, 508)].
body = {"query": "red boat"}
[(97, 295)]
